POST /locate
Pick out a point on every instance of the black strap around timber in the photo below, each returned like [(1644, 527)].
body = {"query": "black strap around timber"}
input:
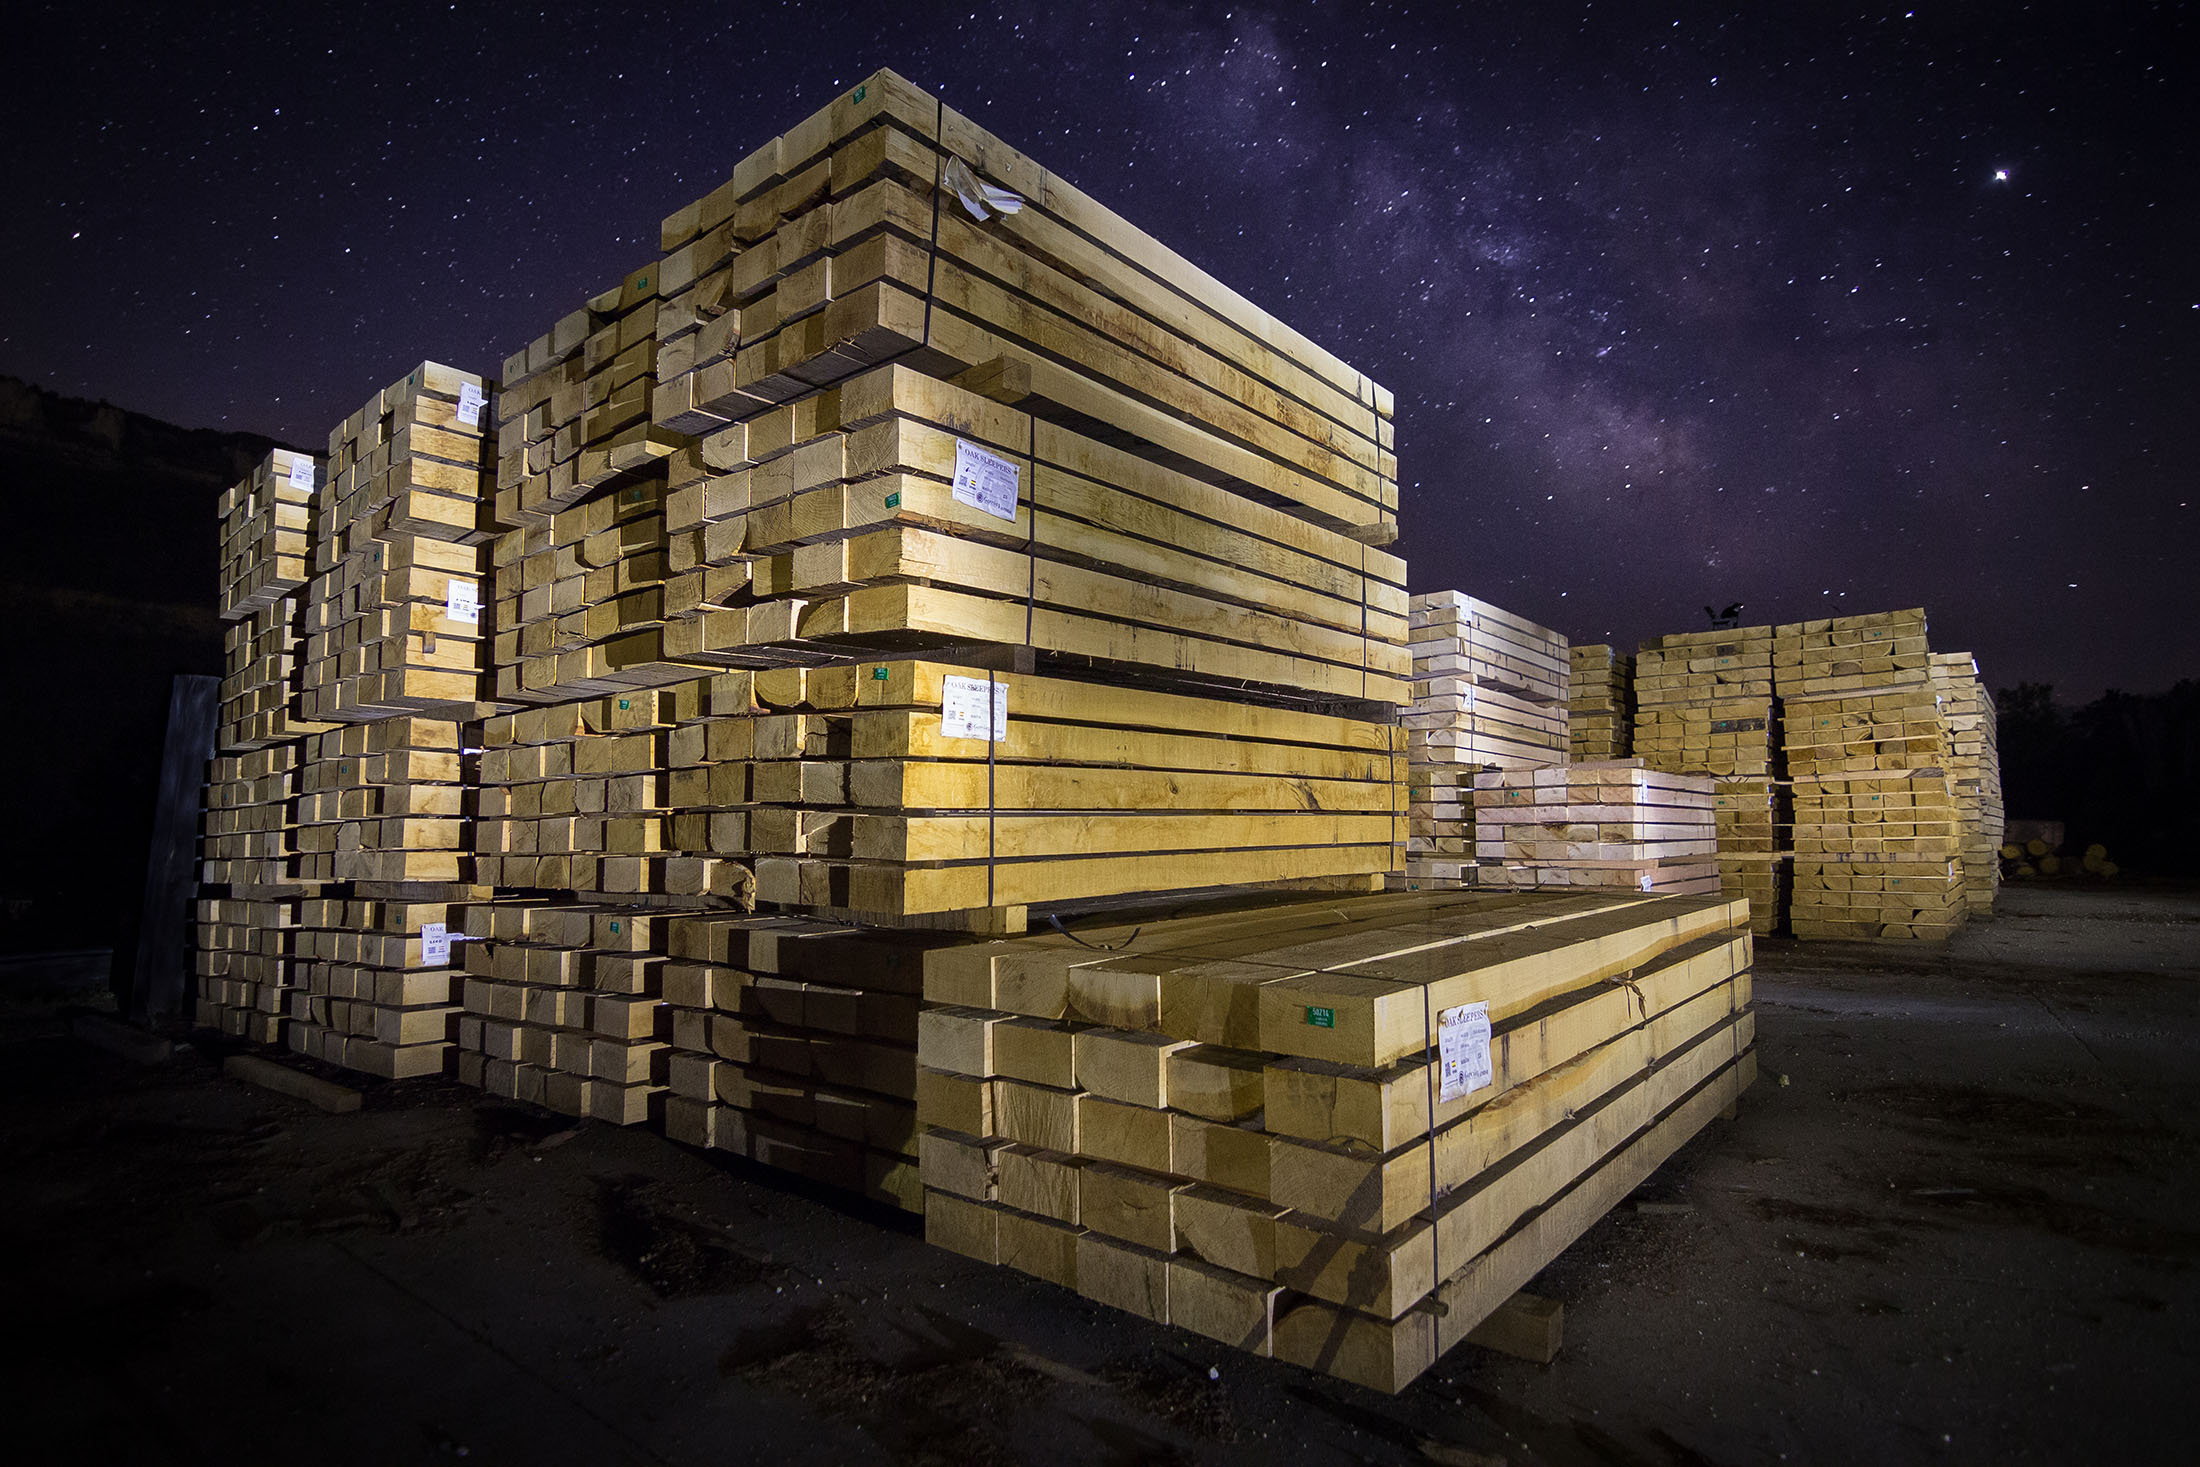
[(1055, 922), (991, 809), (1435, 1066), (932, 256)]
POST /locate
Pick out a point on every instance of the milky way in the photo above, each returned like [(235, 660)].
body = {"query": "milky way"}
[(1817, 312)]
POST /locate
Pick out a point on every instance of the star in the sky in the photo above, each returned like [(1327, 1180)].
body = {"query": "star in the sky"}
[(2001, 175)]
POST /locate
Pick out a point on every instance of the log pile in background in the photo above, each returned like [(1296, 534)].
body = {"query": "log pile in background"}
[(1339, 1135), (1489, 692), (1610, 823), (1600, 707)]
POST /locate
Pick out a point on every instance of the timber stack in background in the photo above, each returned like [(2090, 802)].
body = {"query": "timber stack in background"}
[(1489, 693), (1600, 705), (1877, 834), (1704, 705), (1610, 823)]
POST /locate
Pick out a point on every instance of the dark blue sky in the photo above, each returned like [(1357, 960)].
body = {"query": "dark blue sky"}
[(1821, 310)]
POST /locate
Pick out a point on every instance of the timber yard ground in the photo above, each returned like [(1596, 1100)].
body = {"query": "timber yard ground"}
[(1955, 1221)]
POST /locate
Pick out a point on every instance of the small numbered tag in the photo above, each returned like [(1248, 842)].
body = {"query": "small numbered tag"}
[(470, 400)]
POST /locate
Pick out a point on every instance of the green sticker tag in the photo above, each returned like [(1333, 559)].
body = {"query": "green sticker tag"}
[(859, 93), (623, 706), (614, 929), (893, 500), (880, 674), (642, 283), (1322, 1018)]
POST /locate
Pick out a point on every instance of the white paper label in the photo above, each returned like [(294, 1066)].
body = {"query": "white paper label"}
[(463, 603), (1463, 1050), (985, 480), (963, 708), (435, 944), (301, 472), (470, 400)]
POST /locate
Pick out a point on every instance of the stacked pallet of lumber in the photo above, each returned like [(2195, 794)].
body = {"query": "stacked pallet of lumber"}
[(373, 985), (1600, 707), (1877, 834), (1340, 1134), (393, 612), (574, 412), (1489, 692), (1608, 823), (1704, 703), (1845, 654), (793, 1043), (897, 510), (888, 225), (578, 581), (1752, 831), (384, 802), (243, 951), (266, 519), (899, 789), (562, 1006), (248, 867), (1975, 765)]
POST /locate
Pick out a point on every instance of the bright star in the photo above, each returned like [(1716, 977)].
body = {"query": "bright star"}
[(2001, 175)]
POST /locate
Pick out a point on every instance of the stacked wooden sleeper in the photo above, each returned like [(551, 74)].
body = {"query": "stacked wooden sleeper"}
[(890, 226), (1608, 823), (1489, 692), (1248, 1125), (1600, 705)]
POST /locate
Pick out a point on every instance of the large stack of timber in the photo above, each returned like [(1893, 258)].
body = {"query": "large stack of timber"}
[(579, 578), (1339, 1135), (1877, 832), (1600, 706), (251, 877), (889, 225), (1704, 705), (397, 664), (1611, 823), (1489, 692), (1975, 765), (1036, 571)]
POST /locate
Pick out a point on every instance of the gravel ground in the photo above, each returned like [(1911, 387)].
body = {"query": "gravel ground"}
[(1954, 1221)]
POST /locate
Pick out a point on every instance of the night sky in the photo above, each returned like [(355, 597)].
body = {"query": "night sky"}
[(1817, 309)]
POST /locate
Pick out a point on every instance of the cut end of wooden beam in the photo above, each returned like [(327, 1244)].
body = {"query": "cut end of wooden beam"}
[(313, 1090), (119, 1038), (1526, 1327)]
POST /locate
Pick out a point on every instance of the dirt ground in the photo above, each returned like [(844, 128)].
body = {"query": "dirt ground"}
[(1955, 1221)]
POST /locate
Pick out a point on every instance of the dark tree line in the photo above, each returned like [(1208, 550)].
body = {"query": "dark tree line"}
[(2124, 771)]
